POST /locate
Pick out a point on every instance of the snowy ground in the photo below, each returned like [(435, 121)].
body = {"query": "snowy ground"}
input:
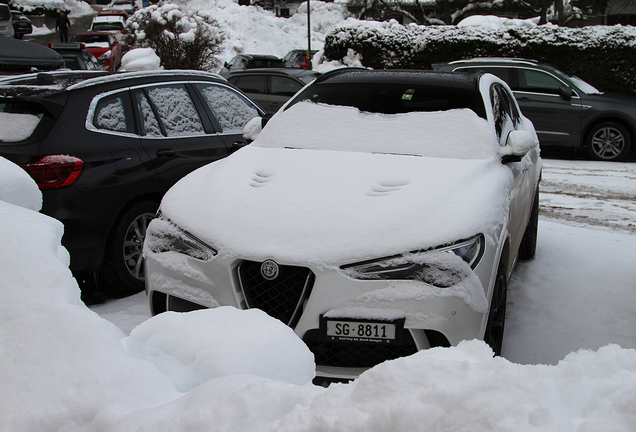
[(577, 293)]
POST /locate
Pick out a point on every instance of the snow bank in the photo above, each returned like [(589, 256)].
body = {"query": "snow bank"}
[(140, 59), (17, 187)]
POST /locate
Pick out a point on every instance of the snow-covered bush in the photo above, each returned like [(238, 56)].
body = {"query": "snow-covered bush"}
[(181, 39), (602, 55)]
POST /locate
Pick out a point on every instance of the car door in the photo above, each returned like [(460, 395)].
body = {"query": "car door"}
[(175, 131), (556, 118), (230, 111), (281, 88), (254, 86)]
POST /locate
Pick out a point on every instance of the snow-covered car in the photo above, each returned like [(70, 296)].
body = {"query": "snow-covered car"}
[(129, 6), (108, 23), (377, 213)]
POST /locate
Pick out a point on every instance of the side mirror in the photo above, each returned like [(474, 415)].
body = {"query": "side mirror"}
[(565, 92), (254, 127), (226, 65), (518, 144)]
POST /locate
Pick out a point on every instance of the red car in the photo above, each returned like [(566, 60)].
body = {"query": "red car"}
[(104, 46)]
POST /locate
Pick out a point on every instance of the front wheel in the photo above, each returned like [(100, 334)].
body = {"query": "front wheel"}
[(497, 314), (608, 141), (124, 263)]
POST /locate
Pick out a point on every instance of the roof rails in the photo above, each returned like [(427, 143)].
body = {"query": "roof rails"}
[(497, 60), (334, 72)]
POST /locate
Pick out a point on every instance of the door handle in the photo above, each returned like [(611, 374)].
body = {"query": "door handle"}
[(165, 153), (237, 145)]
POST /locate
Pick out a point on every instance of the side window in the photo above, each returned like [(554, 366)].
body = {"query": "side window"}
[(501, 112), (283, 86), (500, 72), (149, 122), (113, 113), (231, 110), (177, 113), (509, 100), (538, 82), (252, 83)]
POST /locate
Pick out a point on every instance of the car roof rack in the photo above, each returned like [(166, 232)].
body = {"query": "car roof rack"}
[(334, 72), (497, 60)]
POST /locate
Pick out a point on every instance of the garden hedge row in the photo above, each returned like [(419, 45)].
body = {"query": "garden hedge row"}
[(605, 56)]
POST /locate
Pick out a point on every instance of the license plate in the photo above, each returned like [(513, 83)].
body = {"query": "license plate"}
[(361, 331)]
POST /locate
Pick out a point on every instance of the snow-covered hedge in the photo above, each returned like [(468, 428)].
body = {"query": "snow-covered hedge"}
[(605, 56)]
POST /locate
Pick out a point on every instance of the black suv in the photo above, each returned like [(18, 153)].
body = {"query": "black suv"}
[(565, 110), (105, 147)]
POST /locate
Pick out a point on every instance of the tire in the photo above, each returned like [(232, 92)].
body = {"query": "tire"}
[(528, 246), (608, 141), (494, 333), (123, 268)]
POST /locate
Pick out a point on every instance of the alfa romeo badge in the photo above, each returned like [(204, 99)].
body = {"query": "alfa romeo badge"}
[(269, 269)]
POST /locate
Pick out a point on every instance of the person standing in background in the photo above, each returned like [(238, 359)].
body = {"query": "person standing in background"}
[(62, 24)]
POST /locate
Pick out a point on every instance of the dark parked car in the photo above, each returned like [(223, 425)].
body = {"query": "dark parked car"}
[(298, 58), (18, 56), (251, 61), (21, 24), (104, 147), (565, 110), (104, 46), (271, 88), (76, 56)]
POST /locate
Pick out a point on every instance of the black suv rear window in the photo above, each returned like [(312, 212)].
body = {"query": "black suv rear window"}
[(394, 98), (19, 120)]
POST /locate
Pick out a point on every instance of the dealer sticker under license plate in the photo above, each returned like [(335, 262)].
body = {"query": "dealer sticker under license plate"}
[(360, 331)]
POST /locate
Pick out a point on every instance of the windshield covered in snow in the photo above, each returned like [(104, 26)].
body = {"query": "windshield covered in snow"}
[(385, 98)]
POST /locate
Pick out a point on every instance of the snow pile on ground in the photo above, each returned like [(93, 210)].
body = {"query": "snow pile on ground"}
[(253, 30), (17, 187)]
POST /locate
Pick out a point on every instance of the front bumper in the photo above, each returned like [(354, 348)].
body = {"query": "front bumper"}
[(433, 316)]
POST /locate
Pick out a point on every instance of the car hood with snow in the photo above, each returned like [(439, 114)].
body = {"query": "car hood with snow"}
[(321, 200)]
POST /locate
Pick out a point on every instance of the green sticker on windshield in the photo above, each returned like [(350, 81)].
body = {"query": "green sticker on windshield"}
[(408, 94)]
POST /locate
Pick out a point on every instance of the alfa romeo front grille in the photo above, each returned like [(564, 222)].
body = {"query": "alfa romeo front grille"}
[(281, 297)]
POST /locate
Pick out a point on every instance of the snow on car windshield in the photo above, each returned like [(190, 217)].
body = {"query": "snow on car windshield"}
[(457, 134)]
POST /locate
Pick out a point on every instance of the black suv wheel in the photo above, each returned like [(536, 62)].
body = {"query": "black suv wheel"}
[(124, 262)]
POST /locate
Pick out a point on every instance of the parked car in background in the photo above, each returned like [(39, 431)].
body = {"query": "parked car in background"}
[(104, 147), (298, 58), (565, 110), (271, 88), (6, 23), (18, 57), (379, 213), (129, 6), (122, 13), (251, 61), (104, 46), (21, 24), (108, 23), (76, 56)]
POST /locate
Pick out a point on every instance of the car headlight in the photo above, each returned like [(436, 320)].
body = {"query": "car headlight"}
[(164, 236), (104, 56), (442, 267)]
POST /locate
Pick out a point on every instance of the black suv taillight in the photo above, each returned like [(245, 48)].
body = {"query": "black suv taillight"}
[(54, 171)]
